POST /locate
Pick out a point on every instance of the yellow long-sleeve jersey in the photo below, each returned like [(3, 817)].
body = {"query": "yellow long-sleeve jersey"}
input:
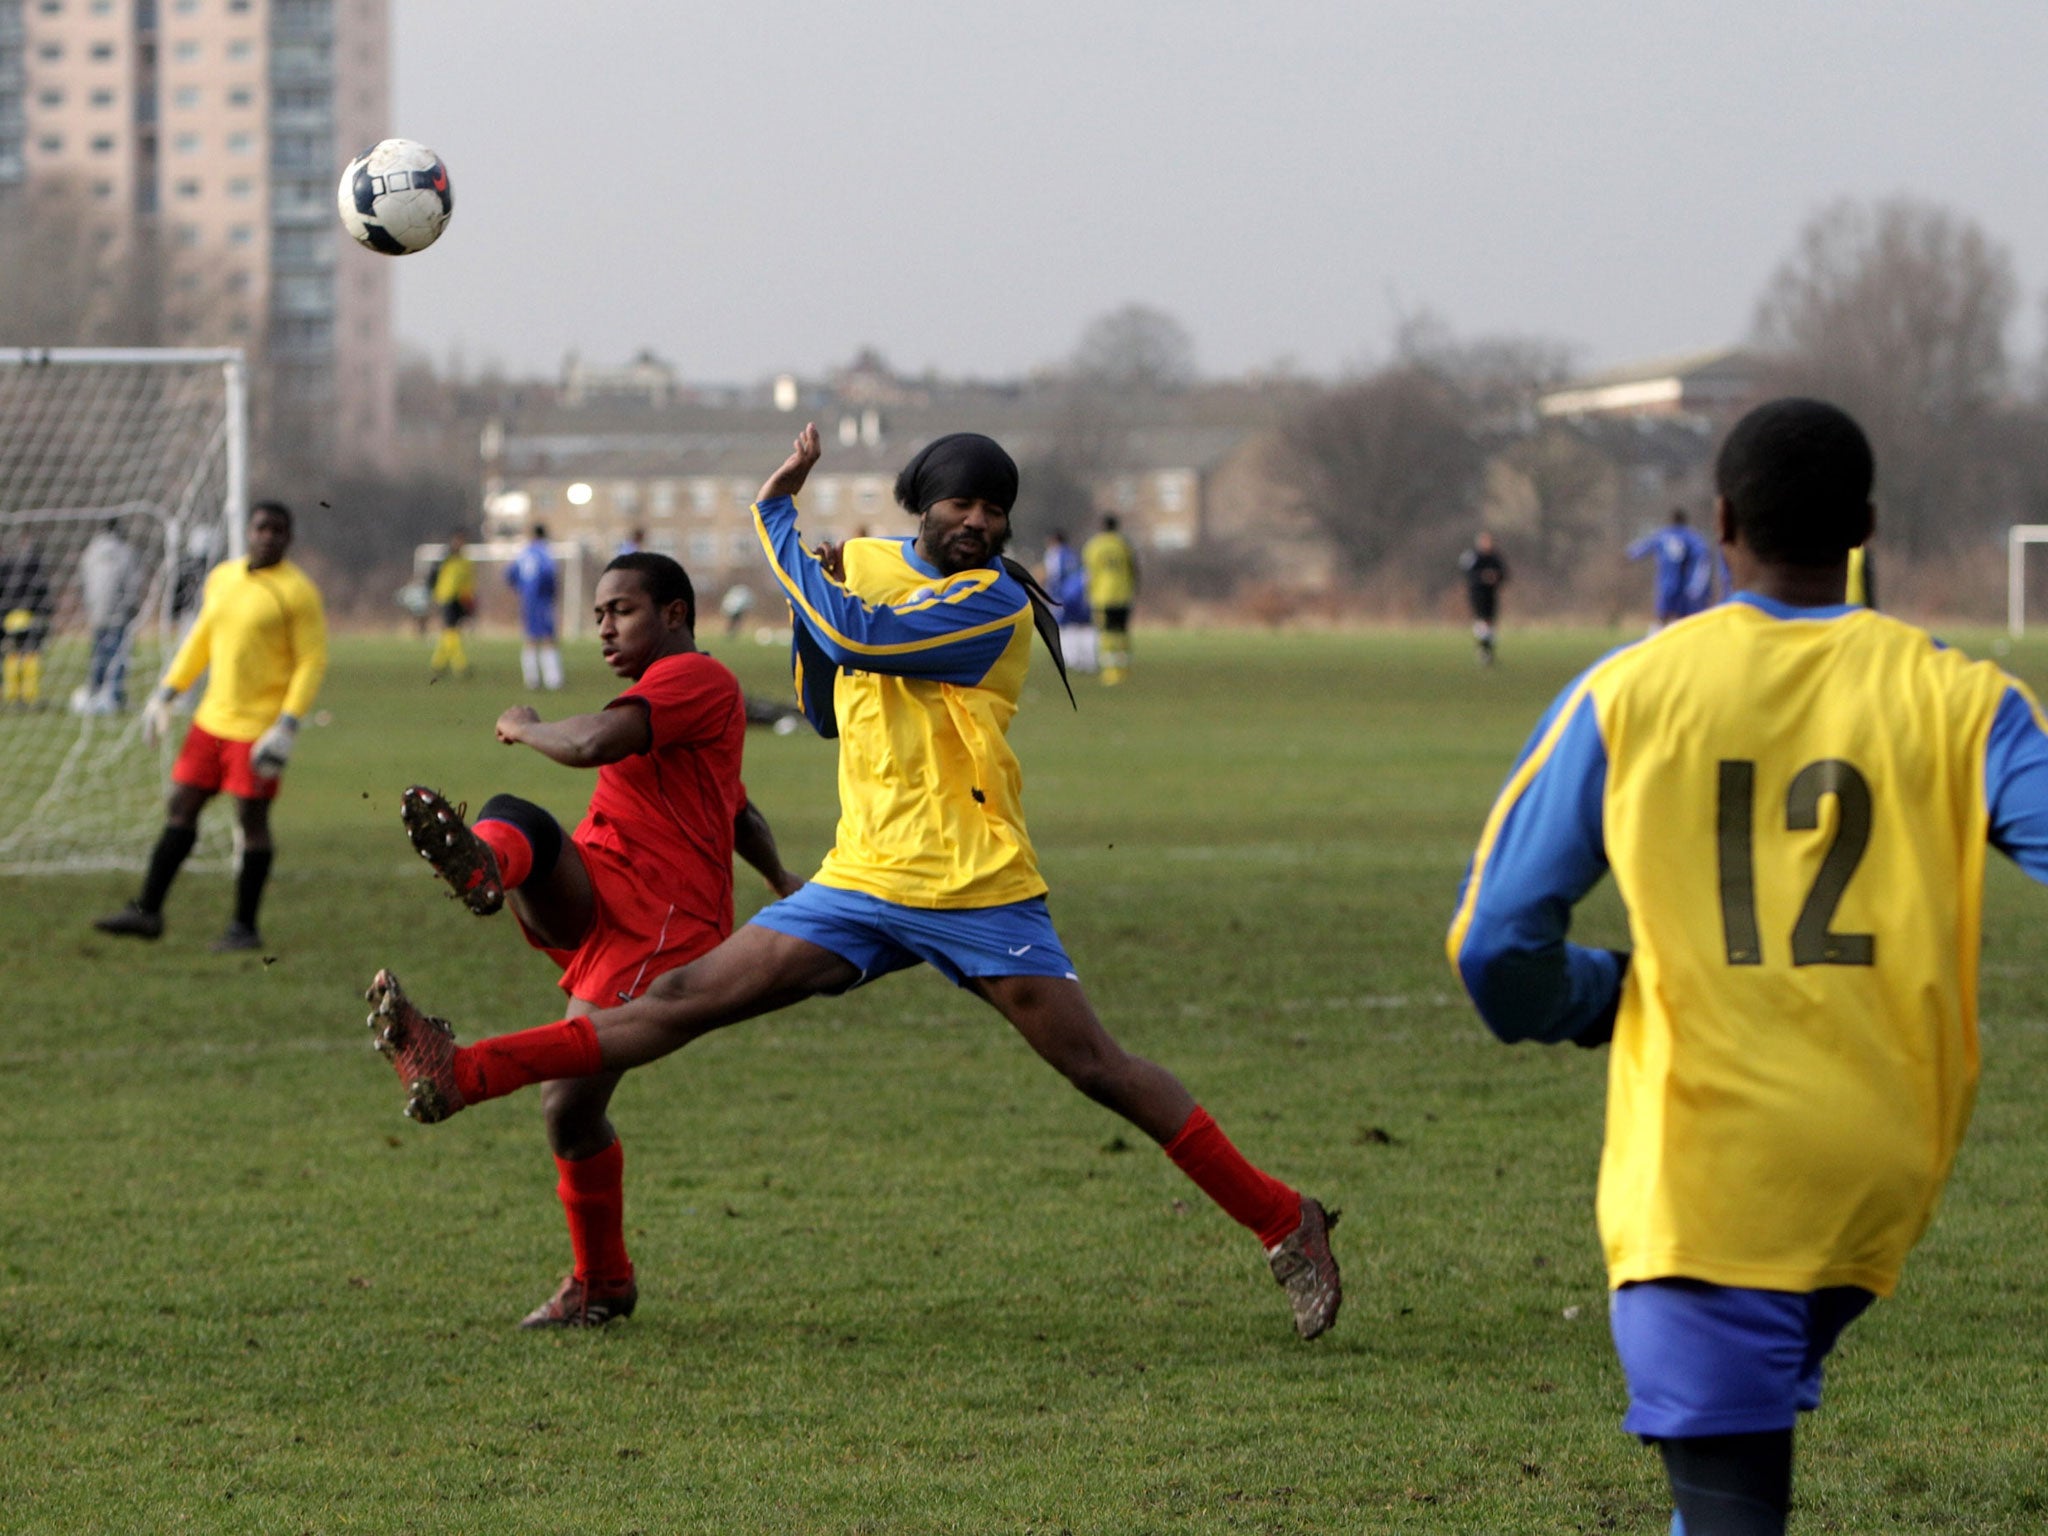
[(261, 637), (1795, 805)]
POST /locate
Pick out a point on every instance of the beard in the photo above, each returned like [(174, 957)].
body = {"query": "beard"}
[(946, 552)]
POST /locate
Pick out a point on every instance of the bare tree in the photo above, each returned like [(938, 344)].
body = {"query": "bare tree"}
[(1898, 312), (1137, 348), (73, 279), (1386, 464), (1569, 486)]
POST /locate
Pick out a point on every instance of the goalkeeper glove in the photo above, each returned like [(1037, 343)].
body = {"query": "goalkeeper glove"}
[(156, 715), (274, 747)]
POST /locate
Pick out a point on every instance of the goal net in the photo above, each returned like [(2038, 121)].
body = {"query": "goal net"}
[(122, 472)]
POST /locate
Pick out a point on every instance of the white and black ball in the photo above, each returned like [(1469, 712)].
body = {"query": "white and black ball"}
[(395, 197)]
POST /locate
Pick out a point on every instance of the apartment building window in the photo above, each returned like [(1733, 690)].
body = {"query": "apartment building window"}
[(102, 7), (49, 98), (240, 143), (186, 7), (187, 188), (103, 190), (103, 97), (241, 96), (51, 7), (238, 5), (186, 144), (241, 187), (51, 144), (102, 51), (238, 282), (241, 48), (103, 144), (186, 96), (186, 52), (241, 234), (49, 52), (187, 235)]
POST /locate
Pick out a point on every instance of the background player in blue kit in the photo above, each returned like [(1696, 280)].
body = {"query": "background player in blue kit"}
[(531, 574), (1686, 568), (1794, 796)]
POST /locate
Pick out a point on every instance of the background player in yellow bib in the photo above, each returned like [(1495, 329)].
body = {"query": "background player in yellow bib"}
[(1112, 567), (455, 596), (1794, 796), (261, 640), (913, 653)]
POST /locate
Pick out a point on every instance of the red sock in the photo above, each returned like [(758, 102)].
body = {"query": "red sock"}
[(492, 1068), (593, 1191), (1251, 1198), (511, 849)]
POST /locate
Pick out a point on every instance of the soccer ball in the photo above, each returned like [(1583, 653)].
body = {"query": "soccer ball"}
[(395, 198)]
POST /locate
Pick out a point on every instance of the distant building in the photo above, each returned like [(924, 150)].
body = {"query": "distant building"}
[(1716, 385), (646, 380), (688, 473), (217, 130)]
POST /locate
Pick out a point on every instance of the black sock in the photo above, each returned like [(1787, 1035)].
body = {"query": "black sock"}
[(1731, 1485), (249, 884), (164, 862), (543, 833)]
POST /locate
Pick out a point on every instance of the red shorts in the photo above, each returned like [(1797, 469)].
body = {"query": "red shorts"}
[(635, 935), (209, 763)]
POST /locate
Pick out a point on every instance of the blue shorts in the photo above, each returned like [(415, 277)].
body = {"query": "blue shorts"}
[(1723, 1360), (878, 936)]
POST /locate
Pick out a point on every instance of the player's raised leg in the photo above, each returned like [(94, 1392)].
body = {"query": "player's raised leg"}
[(1054, 1016), (756, 971)]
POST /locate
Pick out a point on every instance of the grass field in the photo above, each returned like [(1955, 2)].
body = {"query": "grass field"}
[(896, 1277)]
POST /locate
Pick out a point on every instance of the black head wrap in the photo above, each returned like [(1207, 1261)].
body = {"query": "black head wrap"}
[(965, 465)]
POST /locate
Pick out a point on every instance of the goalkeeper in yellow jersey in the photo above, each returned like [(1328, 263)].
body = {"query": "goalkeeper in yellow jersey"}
[(1794, 795), (261, 638)]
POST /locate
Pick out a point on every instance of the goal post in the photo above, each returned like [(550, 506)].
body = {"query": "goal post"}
[(2018, 537), (123, 476)]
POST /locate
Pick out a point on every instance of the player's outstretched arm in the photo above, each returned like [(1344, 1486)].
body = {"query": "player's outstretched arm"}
[(754, 840), (796, 469), (580, 741)]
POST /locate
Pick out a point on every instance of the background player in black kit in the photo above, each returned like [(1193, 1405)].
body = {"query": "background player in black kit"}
[(1485, 574)]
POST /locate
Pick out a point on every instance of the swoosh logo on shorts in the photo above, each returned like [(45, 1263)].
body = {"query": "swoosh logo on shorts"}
[(1020, 951)]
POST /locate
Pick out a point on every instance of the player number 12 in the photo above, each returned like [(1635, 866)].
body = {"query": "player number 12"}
[(1813, 942)]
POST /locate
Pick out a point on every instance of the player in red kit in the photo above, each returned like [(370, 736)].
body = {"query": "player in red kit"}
[(643, 885)]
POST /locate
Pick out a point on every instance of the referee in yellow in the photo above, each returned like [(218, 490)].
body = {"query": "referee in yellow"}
[(1794, 795), (262, 638)]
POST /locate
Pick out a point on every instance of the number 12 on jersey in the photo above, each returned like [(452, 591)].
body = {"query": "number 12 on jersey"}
[(1813, 942)]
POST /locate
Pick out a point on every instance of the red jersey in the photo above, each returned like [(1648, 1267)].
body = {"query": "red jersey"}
[(668, 812)]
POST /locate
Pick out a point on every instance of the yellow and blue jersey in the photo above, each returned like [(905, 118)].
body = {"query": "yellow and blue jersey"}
[(1795, 804), (919, 675), (261, 638)]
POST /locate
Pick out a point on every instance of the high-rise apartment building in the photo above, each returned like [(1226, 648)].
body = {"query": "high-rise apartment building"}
[(211, 133)]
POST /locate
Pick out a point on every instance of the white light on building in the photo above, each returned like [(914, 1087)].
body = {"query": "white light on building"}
[(579, 494)]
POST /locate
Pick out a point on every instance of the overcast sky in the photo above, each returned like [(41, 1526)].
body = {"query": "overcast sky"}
[(751, 187)]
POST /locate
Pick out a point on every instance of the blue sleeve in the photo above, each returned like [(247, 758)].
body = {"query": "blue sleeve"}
[(815, 676), (951, 634), (1646, 545), (1544, 851), (2016, 784)]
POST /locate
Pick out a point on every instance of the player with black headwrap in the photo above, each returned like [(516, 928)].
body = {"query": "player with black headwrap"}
[(912, 651)]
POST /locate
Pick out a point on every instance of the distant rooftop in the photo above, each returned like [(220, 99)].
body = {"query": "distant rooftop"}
[(1696, 382)]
